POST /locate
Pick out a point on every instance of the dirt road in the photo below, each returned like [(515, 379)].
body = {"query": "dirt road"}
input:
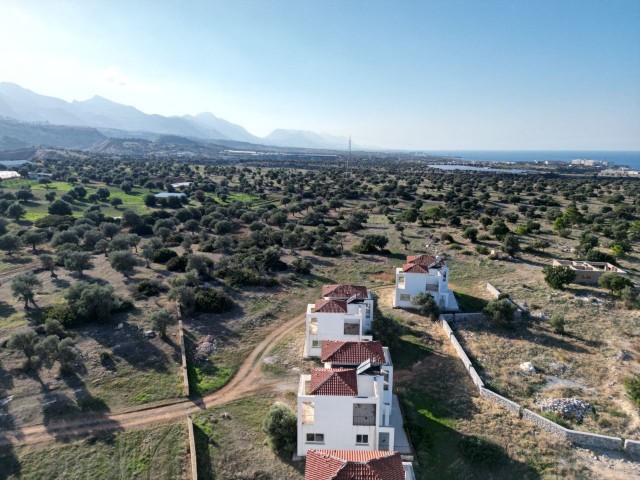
[(245, 383)]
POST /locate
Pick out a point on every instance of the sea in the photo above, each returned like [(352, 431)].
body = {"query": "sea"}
[(630, 159)]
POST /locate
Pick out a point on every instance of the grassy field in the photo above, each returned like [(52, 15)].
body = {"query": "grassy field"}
[(235, 447), (155, 454)]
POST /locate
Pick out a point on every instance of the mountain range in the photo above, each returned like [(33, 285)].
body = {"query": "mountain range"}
[(109, 118)]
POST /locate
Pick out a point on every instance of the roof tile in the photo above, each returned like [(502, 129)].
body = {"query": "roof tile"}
[(352, 353), (331, 306), (344, 291), (334, 382), (353, 465)]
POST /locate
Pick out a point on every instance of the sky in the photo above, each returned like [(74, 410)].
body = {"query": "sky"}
[(490, 74)]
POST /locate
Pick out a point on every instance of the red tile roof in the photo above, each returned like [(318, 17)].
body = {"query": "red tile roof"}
[(352, 353), (415, 268), (331, 306), (353, 465), (334, 381), (425, 260), (344, 291)]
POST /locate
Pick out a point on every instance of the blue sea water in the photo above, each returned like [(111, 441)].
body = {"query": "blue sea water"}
[(618, 158)]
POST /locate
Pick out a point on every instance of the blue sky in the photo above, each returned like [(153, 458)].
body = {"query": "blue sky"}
[(485, 74)]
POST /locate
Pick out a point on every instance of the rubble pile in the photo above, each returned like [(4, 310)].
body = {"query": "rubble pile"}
[(567, 408)]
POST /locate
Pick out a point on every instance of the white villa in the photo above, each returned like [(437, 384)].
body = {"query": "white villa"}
[(347, 354), (424, 274), (344, 313), (343, 409)]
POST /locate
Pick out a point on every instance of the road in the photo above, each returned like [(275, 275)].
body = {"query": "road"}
[(247, 382)]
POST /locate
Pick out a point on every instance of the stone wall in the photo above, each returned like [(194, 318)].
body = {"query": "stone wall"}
[(583, 439), (500, 400), (493, 290), (632, 447), (543, 423), (452, 317), (192, 449), (183, 354), (458, 348)]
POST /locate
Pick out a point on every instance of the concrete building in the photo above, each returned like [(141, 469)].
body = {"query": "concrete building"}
[(346, 354), (588, 273), (344, 313), (356, 465), (424, 274), (343, 409)]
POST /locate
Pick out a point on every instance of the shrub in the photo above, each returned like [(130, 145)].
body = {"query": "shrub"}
[(53, 327), (614, 283), (280, 425), (211, 300), (161, 319), (632, 385), (91, 302), (427, 305), (150, 288), (163, 255), (501, 311), (302, 266), (558, 277), (557, 322), (60, 312), (177, 264)]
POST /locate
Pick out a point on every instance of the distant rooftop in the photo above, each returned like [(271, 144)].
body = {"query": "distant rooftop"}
[(169, 194)]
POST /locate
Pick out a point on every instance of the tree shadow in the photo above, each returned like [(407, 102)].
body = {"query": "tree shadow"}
[(9, 463), (6, 310)]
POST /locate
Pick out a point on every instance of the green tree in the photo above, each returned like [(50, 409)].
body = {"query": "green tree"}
[(613, 282), (91, 302), (24, 341), (280, 425), (123, 261), (501, 312), (471, 233), (10, 243), (557, 276), (511, 244), (48, 262), (499, 229), (60, 207), (78, 262), (67, 355), (161, 319), (15, 211), (23, 287), (34, 238), (630, 297), (427, 305), (47, 350)]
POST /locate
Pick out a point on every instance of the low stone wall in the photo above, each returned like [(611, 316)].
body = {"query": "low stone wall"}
[(458, 348), (476, 378), (192, 449), (493, 290), (632, 447), (452, 317), (586, 439), (500, 400), (543, 423), (583, 439), (183, 354)]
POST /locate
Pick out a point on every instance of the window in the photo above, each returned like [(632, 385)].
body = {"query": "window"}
[(351, 328), (405, 297), (368, 310), (315, 343), (362, 439), (401, 281), (315, 437)]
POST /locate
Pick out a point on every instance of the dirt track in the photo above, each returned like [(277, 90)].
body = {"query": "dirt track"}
[(245, 383)]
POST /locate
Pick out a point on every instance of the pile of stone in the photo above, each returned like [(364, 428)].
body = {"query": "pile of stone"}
[(207, 346), (567, 408)]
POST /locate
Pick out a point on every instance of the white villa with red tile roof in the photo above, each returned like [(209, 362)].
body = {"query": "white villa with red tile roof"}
[(356, 465), (343, 409), (347, 354), (344, 313), (424, 274)]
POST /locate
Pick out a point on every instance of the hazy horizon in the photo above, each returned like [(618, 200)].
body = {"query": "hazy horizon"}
[(437, 76)]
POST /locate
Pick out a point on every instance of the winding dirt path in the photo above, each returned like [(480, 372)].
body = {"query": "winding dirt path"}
[(245, 383)]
